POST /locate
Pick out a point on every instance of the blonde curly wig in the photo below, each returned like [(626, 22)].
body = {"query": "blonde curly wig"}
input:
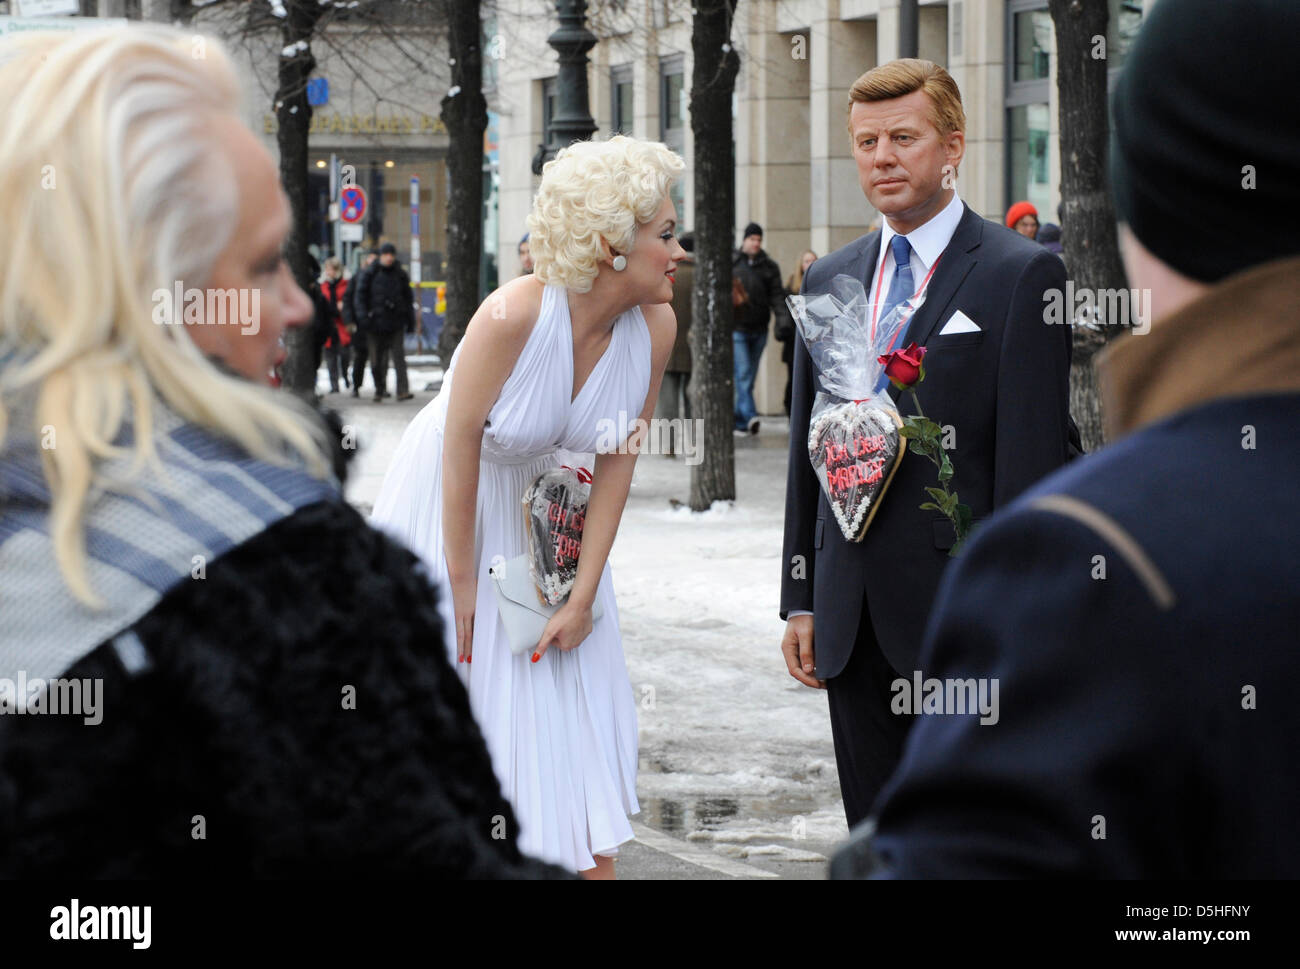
[(596, 190)]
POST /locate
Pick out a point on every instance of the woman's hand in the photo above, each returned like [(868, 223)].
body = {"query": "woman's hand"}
[(463, 596), (567, 628)]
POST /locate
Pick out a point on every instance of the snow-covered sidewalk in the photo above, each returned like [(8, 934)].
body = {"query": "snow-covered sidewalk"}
[(735, 754)]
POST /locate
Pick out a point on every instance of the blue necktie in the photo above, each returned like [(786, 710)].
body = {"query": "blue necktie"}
[(900, 289)]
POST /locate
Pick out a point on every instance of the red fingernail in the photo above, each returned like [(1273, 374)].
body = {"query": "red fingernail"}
[(469, 659), (536, 657)]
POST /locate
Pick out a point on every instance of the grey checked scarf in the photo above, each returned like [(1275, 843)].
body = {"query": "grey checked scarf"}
[(168, 528)]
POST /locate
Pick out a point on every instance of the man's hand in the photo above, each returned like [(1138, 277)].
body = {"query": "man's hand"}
[(797, 647)]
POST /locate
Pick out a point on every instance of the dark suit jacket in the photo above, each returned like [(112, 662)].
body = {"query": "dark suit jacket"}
[(1005, 391), (1123, 699)]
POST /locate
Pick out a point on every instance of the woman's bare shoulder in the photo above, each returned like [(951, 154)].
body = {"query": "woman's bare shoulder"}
[(509, 312), (661, 321)]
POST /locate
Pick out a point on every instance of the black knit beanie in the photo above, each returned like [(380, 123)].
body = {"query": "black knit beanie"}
[(753, 229), (1205, 147)]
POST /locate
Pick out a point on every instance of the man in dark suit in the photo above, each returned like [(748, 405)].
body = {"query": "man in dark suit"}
[(997, 375), (1138, 609)]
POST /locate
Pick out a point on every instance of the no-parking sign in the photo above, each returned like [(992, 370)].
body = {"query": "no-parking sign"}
[(352, 203)]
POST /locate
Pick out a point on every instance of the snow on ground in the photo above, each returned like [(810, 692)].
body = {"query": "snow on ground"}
[(734, 752)]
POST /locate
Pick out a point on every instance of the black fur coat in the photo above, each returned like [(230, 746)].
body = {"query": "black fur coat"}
[(235, 753)]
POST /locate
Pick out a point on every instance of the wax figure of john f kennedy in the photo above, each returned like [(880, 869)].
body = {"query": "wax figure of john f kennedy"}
[(1148, 719), (995, 371)]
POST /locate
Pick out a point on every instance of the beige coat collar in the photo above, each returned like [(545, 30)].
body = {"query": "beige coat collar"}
[(1240, 338)]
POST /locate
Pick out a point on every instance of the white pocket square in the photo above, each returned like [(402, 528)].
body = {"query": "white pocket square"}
[(959, 323)]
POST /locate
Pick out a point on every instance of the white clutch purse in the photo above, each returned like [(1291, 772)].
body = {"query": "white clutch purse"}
[(522, 611)]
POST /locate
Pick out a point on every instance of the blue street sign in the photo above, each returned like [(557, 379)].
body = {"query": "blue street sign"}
[(318, 91)]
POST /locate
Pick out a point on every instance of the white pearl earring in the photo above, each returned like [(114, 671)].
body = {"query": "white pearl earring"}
[(620, 263)]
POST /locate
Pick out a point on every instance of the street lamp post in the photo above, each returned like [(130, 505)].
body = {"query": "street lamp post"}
[(908, 29), (572, 120)]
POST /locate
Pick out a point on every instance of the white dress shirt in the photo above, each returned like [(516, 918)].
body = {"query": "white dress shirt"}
[(928, 242)]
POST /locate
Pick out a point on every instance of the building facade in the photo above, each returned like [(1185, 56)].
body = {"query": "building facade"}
[(795, 175)]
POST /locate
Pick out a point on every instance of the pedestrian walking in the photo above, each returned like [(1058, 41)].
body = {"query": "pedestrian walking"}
[(356, 325), (674, 404), (784, 329), (386, 305), (525, 256), (1023, 218), (760, 277), (338, 344)]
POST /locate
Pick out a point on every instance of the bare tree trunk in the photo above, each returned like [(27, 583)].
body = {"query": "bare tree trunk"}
[(1088, 216), (465, 115), (293, 113), (712, 388)]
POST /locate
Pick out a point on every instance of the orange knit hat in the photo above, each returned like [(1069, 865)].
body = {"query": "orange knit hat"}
[(1018, 212)]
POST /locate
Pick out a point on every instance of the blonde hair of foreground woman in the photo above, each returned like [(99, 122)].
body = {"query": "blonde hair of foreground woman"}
[(117, 188), (595, 190)]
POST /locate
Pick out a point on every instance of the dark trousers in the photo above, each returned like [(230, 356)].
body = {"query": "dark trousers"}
[(360, 355), (383, 346), (868, 736), (337, 360)]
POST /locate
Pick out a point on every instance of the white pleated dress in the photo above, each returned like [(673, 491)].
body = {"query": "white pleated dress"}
[(562, 732)]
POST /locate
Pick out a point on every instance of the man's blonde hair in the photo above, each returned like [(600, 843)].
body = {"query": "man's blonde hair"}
[(902, 77)]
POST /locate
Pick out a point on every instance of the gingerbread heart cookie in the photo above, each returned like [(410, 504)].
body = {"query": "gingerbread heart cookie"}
[(555, 509), (855, 449)]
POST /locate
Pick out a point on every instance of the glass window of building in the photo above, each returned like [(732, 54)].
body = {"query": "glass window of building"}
[(1031, 43), (1029, 106), (621, 97), (1121, 31), (548, 107), (1028, 127), (672, 114)]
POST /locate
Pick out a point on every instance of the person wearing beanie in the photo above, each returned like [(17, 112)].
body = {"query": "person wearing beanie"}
[(1023, 218), (764, 297), (386, 303), (1138, 609), (1049, 237)]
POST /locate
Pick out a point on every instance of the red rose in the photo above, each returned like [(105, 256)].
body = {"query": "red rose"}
[(903, 367)]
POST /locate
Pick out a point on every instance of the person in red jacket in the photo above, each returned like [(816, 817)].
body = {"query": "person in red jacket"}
[(338, 345)]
